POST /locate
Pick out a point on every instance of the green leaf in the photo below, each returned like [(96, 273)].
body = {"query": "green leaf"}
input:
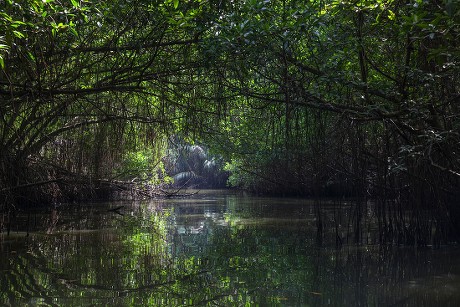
[(18, 34), (75, 3), (15, 24), (176, 3), (74, 32), (391, 15), (31, 56)]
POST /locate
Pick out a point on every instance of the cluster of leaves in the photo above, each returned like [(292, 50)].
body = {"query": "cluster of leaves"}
[(299, 97), (85, 83), (193, 165), (323, 91)]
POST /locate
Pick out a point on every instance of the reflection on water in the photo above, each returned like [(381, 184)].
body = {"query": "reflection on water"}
[(214, 249)]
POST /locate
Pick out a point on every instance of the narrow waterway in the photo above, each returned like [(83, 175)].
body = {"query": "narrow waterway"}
[(216, 248)]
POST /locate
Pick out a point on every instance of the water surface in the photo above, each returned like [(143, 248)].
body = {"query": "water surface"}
[(215, 248)]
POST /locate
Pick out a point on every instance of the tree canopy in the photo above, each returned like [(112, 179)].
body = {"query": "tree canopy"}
[(343, 98)]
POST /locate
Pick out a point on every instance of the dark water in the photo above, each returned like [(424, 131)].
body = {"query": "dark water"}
[(215, 249)]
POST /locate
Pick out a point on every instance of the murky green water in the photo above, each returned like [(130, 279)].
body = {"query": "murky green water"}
[(215, 249)]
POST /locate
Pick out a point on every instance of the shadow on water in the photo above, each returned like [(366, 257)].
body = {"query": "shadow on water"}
[(217, 249)]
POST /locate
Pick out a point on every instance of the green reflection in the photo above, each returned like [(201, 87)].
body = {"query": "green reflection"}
[(223, 250)]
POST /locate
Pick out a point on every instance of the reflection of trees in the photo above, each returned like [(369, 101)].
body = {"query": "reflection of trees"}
[(127, 265), (21, 280), (257, 258), (269, 266), (203, 253)]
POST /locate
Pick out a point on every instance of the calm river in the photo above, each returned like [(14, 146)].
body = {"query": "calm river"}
[(217, 249)]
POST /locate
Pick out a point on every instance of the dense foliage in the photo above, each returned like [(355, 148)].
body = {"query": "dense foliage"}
[(83, 88), (345, 91), (335, 98)]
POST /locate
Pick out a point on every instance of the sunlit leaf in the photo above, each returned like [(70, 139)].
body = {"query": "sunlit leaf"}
[(18, 34), (75, 3), (391, 15)]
